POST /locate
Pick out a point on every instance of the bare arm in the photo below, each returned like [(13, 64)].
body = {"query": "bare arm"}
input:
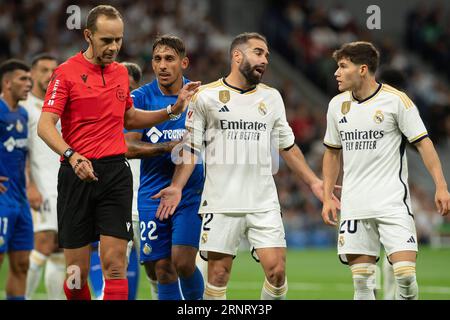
[(140, 119), (33, 194), (47, 131), (171, 196), (138, 149), (331, 165), (432, 163)]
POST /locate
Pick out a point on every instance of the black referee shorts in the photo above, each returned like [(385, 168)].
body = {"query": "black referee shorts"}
[(87, 210)]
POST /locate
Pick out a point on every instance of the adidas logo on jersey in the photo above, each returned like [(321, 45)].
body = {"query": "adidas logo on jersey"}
[(343, 120), (411, 240), (224, 109)]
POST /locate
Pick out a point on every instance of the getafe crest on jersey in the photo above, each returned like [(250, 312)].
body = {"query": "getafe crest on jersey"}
[(345, 107), (224, 96)]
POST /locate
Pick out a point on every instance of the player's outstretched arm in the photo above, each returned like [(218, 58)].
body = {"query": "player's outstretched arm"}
[(3, 189), (330, 168), (433, 164), (138, 149), (141, 119), (171, 196)]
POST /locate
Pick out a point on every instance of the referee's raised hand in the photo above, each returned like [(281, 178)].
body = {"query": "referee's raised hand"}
[(185, 95), (82, 167)]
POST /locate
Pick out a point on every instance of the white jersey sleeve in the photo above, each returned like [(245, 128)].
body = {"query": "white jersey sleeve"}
[(195, 124), (409, 121), (332, 138), (281, 131)]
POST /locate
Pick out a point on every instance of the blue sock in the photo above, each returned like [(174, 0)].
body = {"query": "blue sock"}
[(15, 297), (133, 275), (170, 291), (193, 286), (95, 274)]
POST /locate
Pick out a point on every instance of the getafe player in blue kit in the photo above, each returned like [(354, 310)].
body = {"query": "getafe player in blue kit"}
[(16, 226), (168, 247)]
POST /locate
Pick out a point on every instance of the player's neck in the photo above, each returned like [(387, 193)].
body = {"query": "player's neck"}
[(38, 93), (237, 80), (366, 89), (173, 89), (12, 104)]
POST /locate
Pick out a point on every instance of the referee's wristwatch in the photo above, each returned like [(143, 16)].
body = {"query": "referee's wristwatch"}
[(172, 116), (68, 153)]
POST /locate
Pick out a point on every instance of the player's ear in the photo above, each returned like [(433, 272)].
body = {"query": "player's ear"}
[(184, 63), (237, 55), (363, 70)]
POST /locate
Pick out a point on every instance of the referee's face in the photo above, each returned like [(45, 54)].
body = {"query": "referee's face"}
[(347, 75), (107, 39)]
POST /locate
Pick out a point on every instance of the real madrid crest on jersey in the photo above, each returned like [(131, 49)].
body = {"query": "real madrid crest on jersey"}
[(262, 109), (224, 96), (378, 117), (204, 237), (345, 107), (19, 126)]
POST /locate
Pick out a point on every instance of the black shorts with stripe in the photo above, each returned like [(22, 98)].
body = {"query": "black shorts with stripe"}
[(87, 210)]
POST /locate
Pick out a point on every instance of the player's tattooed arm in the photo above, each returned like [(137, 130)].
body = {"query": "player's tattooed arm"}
[(138, 149)]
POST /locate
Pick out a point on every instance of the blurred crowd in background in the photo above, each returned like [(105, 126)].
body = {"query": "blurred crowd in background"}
[(304, 33)]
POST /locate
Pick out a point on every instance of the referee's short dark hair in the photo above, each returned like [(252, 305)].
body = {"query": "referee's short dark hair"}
[(102, 10), (11, 65), (244, 38), (133, 70), (172, 42), (42, 56), (359, 52)]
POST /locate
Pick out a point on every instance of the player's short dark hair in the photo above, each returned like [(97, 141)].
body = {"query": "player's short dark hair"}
[(392, 77), (133, 70), (172, 42), (42, 56), (244, 38), (11, 65), (102, 10), (359, 52)]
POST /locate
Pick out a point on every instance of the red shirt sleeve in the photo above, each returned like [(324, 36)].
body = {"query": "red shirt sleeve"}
[(129, 101), (57, 93)]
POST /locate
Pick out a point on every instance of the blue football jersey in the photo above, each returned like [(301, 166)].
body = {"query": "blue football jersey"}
[(13, 153), (157, 172)]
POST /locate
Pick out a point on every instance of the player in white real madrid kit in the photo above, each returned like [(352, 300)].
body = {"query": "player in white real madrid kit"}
[(41, 190), (240, 120), (370, 124)]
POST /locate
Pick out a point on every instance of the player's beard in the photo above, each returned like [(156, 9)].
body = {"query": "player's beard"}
[(248, 71)]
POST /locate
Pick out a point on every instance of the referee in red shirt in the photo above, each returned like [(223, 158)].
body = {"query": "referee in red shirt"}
[(90, 93)]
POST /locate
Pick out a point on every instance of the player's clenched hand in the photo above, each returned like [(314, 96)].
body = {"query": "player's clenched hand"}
[(2, 186), (442, 200), (170, 198), (82, 167), (317, 189), (34, 196), (184, 96), (329, 212)]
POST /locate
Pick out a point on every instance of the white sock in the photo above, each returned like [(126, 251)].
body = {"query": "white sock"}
[(389, 282), (55, 274), (363, 281), (154, 289), (405, 275), (270, 292), (37, 261), (214, 293)]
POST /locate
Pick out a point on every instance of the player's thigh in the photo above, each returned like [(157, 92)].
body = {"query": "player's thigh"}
[(265, 230), (398, 236), (19, 261), (45, 242), (222, 233), (186, 226), (22, 238), (155, 236), (358, 241)]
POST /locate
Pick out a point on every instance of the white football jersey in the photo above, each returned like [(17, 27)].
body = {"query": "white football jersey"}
[(136, 170), (372, 134), (43, 160), (240, 132)]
